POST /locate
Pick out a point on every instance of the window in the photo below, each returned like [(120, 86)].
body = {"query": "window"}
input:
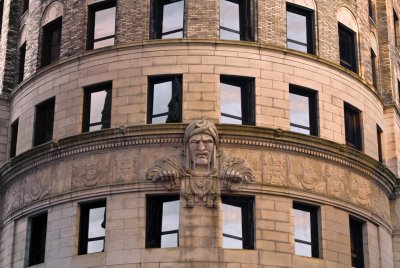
[(303, 110), (379, 134), (92, 227), (352, 122), (51, 43), (300, 29), (347, 47), (356, 243), (21, 64), (373, 69), (238, 222), (395, 27), (25, 6), (306, 237), (167, 19), (235, 20), (371, 12), (398, 90), (97, 107), (101, 26), (1, 15), (162, 221), (237, 100), (165, 99), (14, 137), (37, 243), (44, 122)]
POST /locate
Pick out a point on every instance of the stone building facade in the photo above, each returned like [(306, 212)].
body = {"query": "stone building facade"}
[(345, 174)]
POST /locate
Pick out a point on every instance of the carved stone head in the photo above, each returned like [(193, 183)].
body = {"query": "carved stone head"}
[(201, 144)]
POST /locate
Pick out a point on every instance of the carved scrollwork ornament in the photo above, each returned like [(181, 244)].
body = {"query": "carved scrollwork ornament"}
[(234, 173), (166, 171)]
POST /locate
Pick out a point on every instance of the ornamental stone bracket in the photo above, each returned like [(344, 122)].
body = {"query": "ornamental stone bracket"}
[(201, 172)]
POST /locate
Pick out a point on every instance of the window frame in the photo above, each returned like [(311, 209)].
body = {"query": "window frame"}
[(154, 205), (351, 43), (84, 225), (246, 204), (310, 25), (21, 62), (246, 25), (47, 42), (157, 17), (313, 115), (14, 138), (107, 86), (315, 227), (92, 9), (42, 110), (247, 94), (356, 237), (37, 238), (176, 80), (356, 117)]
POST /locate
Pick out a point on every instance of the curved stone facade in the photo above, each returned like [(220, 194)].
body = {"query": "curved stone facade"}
[(130, 163)]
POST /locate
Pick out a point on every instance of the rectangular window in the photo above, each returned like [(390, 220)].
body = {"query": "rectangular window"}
[(379, 134), (167, 19), (306, 234), (25, 6), (97, 107), (352, 122), (92, 227), (395, 27), (51, 43), (164, 99), (37, 243), (101, 25), (14, 137), (21, 64), (347, 47), (303, 110), (44, 122), (371, 12), (398, 90), (299, 28), (373, 69), (356, 243), (162, 221), (237, 100), (1, 15), (238, 222), (235, 20)]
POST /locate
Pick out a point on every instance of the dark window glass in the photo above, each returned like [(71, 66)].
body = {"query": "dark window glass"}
[(97, 107), (37, 245), (238, 222), (235, 20), (299, 23), (352, 122), (167, 19), (237, 100), (101, 26), (51, 43), (347, 47), (21, 64), (395, 27), (92, 227), (371, 12), (44, 122), (379, 134), (306, 230), (162, 221), (14, 137), (165, 99), (398, 89), (1, 15), (25, 5), (373, 69), (303, 110), (356, 243)]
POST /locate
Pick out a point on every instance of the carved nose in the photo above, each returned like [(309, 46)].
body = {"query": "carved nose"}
[(201, 146)]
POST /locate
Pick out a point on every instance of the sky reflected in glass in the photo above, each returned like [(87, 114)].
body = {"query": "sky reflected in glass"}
[(302, 249), (302, 231), (172, 17), (96, 218), (169, 240), (97, 101), (229, 15), (170, 216), (296, 27), (231, 100), (299, 110), (104, 23), (161, 97), (95, 246), (232, 225)]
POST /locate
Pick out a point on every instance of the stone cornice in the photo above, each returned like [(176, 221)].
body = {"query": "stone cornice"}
[(246, 136)]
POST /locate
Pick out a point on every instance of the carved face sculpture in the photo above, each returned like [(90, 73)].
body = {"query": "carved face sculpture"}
[(201, 147)]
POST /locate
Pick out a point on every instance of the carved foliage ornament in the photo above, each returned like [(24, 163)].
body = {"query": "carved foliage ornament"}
[(200, 175)]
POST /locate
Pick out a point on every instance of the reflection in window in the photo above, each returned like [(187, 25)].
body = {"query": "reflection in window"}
[(237, 222), (92, 227), (162, 221), (347, 47), (168, 19), (97, 107), (51, 43), (352, 122), (44, 121), (101, 27), (165, 100), (235, 20), (299, 23), (237, 100), (37, 243), (306, 230), (303, 110), (356, 243)]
